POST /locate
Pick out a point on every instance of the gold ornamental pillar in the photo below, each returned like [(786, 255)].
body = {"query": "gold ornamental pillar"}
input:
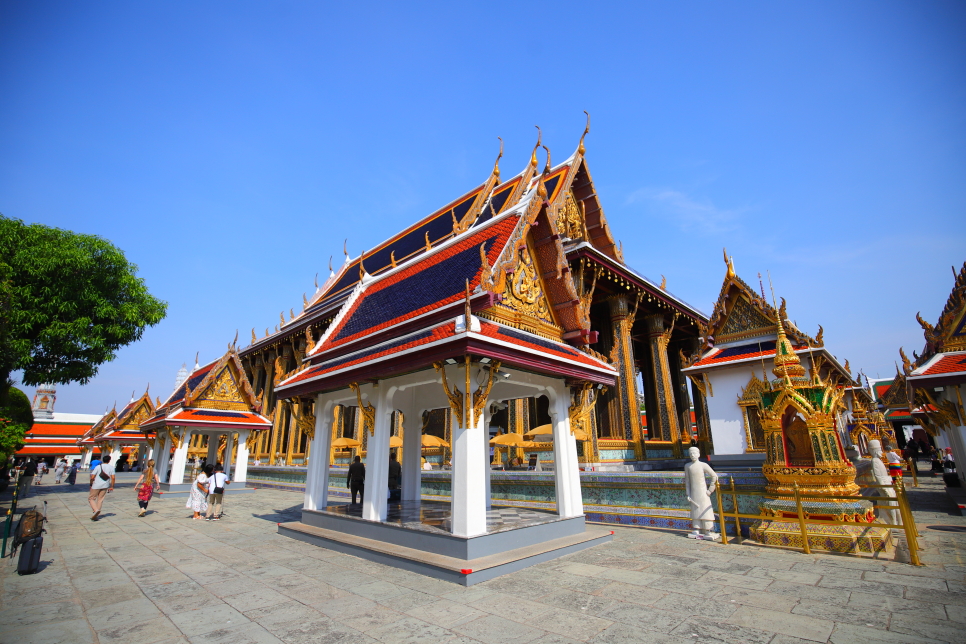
[(665, 420), (623, 350)]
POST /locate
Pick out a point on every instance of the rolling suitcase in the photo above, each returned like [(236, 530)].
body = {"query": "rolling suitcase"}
[(29, 561)]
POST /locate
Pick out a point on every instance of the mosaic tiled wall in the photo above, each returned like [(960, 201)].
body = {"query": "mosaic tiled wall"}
[(651, 499)]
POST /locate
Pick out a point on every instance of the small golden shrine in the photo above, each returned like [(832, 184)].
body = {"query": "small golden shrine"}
[(803, 451)]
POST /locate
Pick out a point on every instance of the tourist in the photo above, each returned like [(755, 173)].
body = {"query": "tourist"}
[(949, 464), (216, 493), (95, 463), (356, 479), (59, 470), (395, 473), (41, 470), (146, 486), (27, 473), (198, 496), (895, 463), (72, 473), (102, 482)]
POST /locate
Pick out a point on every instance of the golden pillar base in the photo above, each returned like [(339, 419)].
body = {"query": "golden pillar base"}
[(849, 539)]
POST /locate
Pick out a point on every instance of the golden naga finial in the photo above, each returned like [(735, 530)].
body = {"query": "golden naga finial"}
[(330, 264), (392, 259), (157, 402), (580, 147), (848, 370), (281, 316), (305, 301), (907, 367), (316, 281), (345, 247), (362, 269), (663, 283), (429, 246), (496, 164), (819, 337), (309, 340), (234, 342), (546, 168), (533, 155), (254, 337), (729, 262), (291, 314)]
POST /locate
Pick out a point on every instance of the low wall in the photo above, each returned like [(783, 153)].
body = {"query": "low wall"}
[(647, 499)]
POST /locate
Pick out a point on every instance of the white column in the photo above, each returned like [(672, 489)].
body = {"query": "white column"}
[(412, 473), (468, 505), (570, 502), (229, 446), (164, 458), (213, 448), (317, 470), (375, 502), (486, 456), (115, 452), (241, 458), (180, 458), (86, 459)]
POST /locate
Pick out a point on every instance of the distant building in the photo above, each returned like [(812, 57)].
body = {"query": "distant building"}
[(54, 434)]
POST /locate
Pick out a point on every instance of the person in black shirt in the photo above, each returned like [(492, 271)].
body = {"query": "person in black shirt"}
[(395, 473), (356, 479)]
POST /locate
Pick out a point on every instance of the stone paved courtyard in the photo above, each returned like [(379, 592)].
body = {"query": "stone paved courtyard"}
[(166, 578)]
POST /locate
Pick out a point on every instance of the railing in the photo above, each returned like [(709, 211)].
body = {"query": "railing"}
[(8, 522), (902, 505), (911, 463)]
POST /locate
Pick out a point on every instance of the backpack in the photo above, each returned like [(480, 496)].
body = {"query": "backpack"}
[(31, 525)]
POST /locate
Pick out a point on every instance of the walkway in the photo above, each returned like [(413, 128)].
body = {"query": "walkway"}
[(165, 578)]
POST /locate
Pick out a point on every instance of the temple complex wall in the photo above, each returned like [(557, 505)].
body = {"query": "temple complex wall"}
[(727, 419)]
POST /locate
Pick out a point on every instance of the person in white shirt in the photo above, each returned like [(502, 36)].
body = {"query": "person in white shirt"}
[(216, 493), (102, 482)]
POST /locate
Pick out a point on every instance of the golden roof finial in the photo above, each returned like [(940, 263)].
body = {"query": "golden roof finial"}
[(546, 168), (729, 262), (291, 314), (281, 316), (787, 363), (392, 258), (305, 301), (663, 283), (267, 333), (580, 147), (316, 281), (467, 310), (362, 269), (429, 246), (234, 342), (496, 164), (254, 337), (330, 264), (533, 155)]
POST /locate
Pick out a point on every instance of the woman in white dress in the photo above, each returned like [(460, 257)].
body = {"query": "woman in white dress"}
[(198, 497)]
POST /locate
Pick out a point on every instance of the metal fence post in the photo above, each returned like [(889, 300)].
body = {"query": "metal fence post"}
[(801, 521), (734, 503), (721, 516), (908, 522)]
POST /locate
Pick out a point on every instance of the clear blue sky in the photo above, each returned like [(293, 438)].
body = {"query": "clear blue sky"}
[(228, 148)]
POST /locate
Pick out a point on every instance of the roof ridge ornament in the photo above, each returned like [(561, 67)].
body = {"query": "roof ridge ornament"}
[(533, 155), (496, 166), (581, 150), (730, 263)]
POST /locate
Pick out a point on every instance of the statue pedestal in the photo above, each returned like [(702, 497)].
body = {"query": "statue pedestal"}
[(854, 538), (714, 536)]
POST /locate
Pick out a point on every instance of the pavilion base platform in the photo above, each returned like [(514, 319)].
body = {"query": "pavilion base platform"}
[(183, 489), (415, 537)]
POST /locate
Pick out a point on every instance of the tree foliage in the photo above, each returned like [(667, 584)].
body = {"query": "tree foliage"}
[(16, 418), (68, 302)]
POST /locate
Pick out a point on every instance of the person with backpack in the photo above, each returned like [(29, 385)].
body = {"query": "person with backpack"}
[(146, 486), (216, 493), (102, 482)]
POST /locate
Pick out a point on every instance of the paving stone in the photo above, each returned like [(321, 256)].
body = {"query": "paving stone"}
[(209, 618), (495, 630), (410, 631), (74, 631), (928, 610), (245, 634), (630, 576), (791, 576), (624, 633), (446, 613), (738, 581), (809, 628), (511, 607), (40, 613), (578, 626), (643, 617), (702, 629), (925, 629), (629, 593), (686, 587), (143, 631), (140, 608), (263, 598), (849, 614), (906, 580), (578, 602), (695, 605), (762, 599)]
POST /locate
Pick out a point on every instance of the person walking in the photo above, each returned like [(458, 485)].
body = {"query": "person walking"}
[(72, 473), (198, 497), (146, 486), (395, 473), (216, 493), (102, 482), (41, 470), (356, 479), (59, 470)]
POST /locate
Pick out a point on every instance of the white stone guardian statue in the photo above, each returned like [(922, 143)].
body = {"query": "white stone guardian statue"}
[(699, 496), (881, 474)]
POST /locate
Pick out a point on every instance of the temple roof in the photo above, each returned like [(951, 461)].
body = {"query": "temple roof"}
[(216, 394), (941, 364), (949, 333)]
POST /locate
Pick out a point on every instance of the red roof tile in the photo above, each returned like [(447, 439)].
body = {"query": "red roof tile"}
[(953, 363)]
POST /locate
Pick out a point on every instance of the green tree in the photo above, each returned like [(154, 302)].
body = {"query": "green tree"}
[(16, 418), (68, 302)]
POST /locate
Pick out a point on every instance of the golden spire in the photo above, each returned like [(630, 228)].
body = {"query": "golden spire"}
[(533, 155), (729, 262), (787, 363), (580, 147), (496, 164), (546, 168)]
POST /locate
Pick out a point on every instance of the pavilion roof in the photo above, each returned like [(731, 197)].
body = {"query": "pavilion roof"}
[(941, 364)]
